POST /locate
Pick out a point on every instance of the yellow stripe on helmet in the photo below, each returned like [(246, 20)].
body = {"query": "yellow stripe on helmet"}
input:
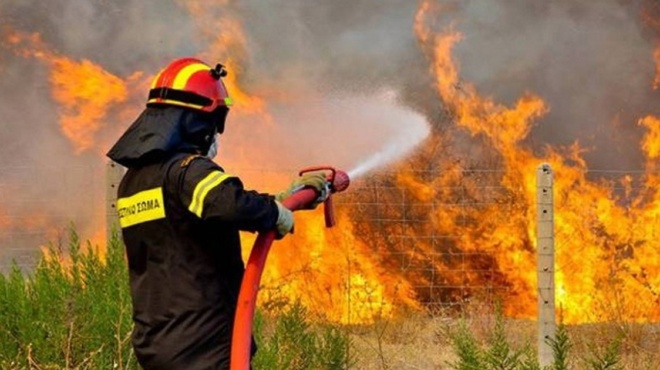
[(203, 187), (184, 74)]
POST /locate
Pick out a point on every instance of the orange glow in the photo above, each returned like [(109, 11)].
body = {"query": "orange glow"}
[(606, 264), (649, 17), (84, 90), (331, 272), (227, 47), (328, 270)]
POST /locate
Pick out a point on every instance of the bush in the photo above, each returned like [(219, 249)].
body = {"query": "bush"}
[(497, 353), (294, 344), (74, 311)]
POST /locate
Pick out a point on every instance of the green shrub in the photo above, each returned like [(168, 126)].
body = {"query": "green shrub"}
[(292, 343), (561, 346), (74, 311), (497, 353)]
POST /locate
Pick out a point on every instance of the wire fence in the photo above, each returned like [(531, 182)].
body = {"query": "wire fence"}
[(424, 240), (39, 205), (450, 242)]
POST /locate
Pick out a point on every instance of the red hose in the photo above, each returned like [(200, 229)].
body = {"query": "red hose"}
[(247, 298)]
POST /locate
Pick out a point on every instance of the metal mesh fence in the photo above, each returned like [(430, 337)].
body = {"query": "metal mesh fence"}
[(425, 249), (467, 240), (40, 205)]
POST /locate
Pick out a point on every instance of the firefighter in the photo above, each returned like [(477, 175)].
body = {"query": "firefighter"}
[(180, 215)]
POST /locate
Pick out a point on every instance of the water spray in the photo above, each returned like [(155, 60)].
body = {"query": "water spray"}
[(412, 133), (378, 159), (338, 181)]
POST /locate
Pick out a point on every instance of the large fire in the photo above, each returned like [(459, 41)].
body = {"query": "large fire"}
[(472, 243), (84, 90), (605, 242)]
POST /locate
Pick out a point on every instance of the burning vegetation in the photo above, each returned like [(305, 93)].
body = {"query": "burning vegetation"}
[(454, 221)]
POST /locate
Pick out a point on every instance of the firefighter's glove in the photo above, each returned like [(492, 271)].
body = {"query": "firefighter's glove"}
[(316, 180), (284, 222)]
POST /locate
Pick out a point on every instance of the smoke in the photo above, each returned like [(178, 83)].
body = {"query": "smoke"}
[(323, 67), (343, 45), (46, 183), (121, 35), (591, 62)]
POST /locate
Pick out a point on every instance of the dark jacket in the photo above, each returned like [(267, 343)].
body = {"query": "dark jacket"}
[(180, 215)]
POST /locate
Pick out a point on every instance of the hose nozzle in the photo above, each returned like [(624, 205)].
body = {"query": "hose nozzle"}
[(339, 181)]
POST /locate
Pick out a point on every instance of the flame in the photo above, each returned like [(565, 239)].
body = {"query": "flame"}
[(333, 273), (84, 90), (604, 248), (607, 258), (228, 45), (649, 16), (651, 141), (329, 271), (85, 94)]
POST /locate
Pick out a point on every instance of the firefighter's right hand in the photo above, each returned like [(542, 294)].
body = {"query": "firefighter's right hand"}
[(284, 223), (315, 180)]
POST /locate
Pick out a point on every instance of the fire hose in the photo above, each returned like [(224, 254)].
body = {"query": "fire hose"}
[(242, 332)]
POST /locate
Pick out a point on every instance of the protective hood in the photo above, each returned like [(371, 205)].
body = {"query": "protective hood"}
[(160, 132)]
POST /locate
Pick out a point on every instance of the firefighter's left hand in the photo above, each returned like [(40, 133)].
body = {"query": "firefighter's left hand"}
[(316, 180), (284, 222)]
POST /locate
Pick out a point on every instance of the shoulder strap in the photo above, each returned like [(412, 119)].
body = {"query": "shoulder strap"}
[(186, 161)]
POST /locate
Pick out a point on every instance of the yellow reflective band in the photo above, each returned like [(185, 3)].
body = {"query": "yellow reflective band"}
[(214, 179), (174, 102), (184, 74), (228, 101), (142, 207)]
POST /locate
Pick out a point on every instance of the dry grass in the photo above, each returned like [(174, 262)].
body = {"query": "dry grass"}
[(420, 341), (640, 343), (409, 343)]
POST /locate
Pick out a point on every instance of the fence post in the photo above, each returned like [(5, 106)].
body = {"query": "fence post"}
[(113, 174), (545, 263)]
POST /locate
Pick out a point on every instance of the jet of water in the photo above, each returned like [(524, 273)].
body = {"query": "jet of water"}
[(389, 153), (415, 130)]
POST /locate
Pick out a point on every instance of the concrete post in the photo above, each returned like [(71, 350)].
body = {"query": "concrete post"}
[(545, 263), (113, 174)]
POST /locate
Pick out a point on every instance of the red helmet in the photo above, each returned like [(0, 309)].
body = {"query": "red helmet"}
[(191, 83)]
